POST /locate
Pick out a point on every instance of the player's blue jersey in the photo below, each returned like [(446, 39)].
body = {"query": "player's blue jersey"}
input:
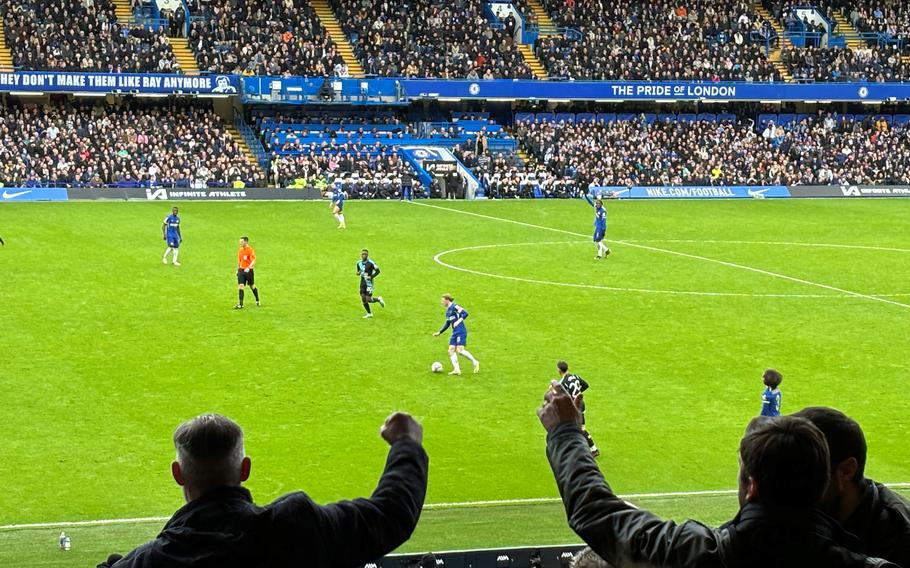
[(600, 214), (770, 402), (338, 198), (453, 313), (172, 222)]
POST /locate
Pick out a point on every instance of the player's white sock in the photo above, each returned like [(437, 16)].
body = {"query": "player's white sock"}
[(455, 366), (469, 356), (341, 218), (167, 250), (598, 250), (176, 252), (337, 217)]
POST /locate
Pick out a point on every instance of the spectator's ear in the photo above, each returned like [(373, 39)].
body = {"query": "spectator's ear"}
[(245, 467), (844, 472), (752, 493), (177, 473)]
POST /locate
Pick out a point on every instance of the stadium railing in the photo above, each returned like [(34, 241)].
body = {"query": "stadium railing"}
[(558, 556)]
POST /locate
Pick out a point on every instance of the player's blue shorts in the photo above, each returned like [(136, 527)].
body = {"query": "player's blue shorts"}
[(459, 339), (340, 207), (173, 241), (599, 234)]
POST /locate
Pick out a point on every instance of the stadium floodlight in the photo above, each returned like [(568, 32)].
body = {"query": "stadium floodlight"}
[(26, 94), (771, 102)]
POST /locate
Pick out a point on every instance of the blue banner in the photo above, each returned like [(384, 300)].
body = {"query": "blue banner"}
[(693, 192), (123, 83), (33, 194), (299, 90)]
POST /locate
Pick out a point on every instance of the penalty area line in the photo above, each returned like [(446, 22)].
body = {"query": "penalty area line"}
[(427, 507), (684, 255)]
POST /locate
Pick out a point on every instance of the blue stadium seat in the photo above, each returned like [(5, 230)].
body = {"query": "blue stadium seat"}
[(566, 117), (666, 117), (545, 117), (707, 117), (585, 117), (845, 118), (724, 117), (888, 118), (859, 117), (626, 116), (901, 119), (687, 117), (650, 118), (785, 119), (803, 116), (606, 116), (524, 116)]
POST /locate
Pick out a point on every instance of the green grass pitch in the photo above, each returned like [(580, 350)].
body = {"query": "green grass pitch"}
[(106, 350)]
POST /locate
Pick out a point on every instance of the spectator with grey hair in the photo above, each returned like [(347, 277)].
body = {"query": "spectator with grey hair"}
[(221, 526)]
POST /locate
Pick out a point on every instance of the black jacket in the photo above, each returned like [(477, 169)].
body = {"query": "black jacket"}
[(625, 536), (225, 529), (882, 523)]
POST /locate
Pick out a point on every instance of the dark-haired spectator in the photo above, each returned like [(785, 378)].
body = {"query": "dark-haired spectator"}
[(427, 38), (868, 509), (784, 465), (263, 38), (221, 526)]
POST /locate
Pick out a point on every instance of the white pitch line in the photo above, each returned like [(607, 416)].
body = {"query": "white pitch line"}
[(781, 243), (428, 506), (438, 260), (684, 255)]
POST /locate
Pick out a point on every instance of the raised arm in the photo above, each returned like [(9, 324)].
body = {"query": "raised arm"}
[(363, 530), (588, 199), (618, 531)]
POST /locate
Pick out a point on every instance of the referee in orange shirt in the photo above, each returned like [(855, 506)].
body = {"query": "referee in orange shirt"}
[(246, 260)]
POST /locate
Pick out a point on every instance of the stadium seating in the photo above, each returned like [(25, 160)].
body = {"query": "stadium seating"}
[(425, 38), (180, 144), (263, 38), (658, 40), (706, 149), (77, 35)]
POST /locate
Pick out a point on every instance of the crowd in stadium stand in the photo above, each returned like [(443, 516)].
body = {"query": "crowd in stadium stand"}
[(426, 38), (360, 174), (82, 35), (874, 64), (824, 149), (658, 40), (128, 144), (263, 38), (890, 17)]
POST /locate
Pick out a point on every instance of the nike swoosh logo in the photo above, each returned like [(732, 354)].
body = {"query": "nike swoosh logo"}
[(8, 195)]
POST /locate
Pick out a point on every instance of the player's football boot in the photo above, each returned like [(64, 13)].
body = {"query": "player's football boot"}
[(238, 307), (476, 367), (368, 316), (381, 301)]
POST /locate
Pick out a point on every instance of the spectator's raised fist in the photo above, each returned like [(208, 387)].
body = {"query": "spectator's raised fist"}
[(558, 407), (401, 425)]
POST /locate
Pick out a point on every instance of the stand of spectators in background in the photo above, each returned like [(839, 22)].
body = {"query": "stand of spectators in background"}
[(131, 144), (425, 38), (263, 38), (82, 35), (716, 40)]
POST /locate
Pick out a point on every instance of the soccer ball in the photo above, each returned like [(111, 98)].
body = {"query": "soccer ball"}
[(436, 367)]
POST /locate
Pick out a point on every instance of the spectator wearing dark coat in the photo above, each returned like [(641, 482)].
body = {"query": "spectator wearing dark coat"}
[(221, 527), (783, 474)]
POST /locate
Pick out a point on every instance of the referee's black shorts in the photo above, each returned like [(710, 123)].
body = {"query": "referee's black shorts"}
[(245, 278)]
